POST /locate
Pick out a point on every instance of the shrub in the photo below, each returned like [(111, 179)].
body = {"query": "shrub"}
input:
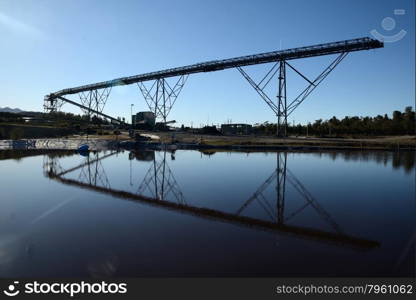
[(16, 133)]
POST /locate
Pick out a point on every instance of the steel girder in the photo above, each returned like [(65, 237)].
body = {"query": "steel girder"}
[(359, 44)]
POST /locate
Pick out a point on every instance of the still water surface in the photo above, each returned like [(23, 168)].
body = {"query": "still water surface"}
[(188, 213)]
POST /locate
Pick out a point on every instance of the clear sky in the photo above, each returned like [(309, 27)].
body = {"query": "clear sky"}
[(48, 45)]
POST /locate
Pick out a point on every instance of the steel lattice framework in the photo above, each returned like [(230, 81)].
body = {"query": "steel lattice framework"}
[(160, 97)]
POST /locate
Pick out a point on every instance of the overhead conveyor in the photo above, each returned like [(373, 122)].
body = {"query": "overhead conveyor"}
[(161, 96)]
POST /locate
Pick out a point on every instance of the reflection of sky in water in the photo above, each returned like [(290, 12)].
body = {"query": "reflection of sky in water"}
[(48, 228)]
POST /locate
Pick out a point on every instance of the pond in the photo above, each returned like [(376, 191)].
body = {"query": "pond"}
[(205, 213)]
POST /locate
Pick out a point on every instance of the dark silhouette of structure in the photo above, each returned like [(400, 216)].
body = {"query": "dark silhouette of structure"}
[(165, 192), (161, 96)]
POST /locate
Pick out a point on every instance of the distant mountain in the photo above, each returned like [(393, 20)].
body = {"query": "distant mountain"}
[(10, 110)]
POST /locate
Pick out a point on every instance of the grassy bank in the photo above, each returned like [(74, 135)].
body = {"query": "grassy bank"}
[(270, 142), (390, 142)]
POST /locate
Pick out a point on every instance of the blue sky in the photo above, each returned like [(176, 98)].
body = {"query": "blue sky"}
[(48, 45)]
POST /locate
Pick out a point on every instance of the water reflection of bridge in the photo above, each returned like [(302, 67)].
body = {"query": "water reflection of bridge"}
[(161, 184)]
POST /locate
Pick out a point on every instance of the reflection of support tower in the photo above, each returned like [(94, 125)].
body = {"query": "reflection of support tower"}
[(161, 97), (93, 173), (53, 170), (283, 174), (281, 186), (160, 182), (310, 201), (51, 165)]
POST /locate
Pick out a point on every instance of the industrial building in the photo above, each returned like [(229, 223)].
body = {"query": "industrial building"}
[(236, 129), (144, 119)]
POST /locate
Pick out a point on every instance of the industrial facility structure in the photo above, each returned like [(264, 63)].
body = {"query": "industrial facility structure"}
[(161, 95), (236, 129), (144, 119)]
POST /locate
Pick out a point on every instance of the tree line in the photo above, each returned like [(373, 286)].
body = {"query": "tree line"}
[(401, 123), (60, 119)]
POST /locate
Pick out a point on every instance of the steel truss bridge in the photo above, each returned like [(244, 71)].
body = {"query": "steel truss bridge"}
[(159, 188), (160, 95)]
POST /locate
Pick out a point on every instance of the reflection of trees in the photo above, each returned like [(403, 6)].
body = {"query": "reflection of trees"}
[(405, 160), (19, 154), (398, 159)]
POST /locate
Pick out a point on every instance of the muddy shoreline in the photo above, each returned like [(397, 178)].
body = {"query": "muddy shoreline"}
[(105, 144)]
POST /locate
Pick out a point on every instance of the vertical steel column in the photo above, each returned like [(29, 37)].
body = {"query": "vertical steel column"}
[(157, 96), (282, 102), (96, 101), (160, 99), (164, 116), (285, 112)]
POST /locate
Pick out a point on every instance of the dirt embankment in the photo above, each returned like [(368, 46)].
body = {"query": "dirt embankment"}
[(259, 143), (386, 142)]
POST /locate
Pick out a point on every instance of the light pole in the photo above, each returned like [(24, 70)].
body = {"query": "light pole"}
[(131, 114)]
